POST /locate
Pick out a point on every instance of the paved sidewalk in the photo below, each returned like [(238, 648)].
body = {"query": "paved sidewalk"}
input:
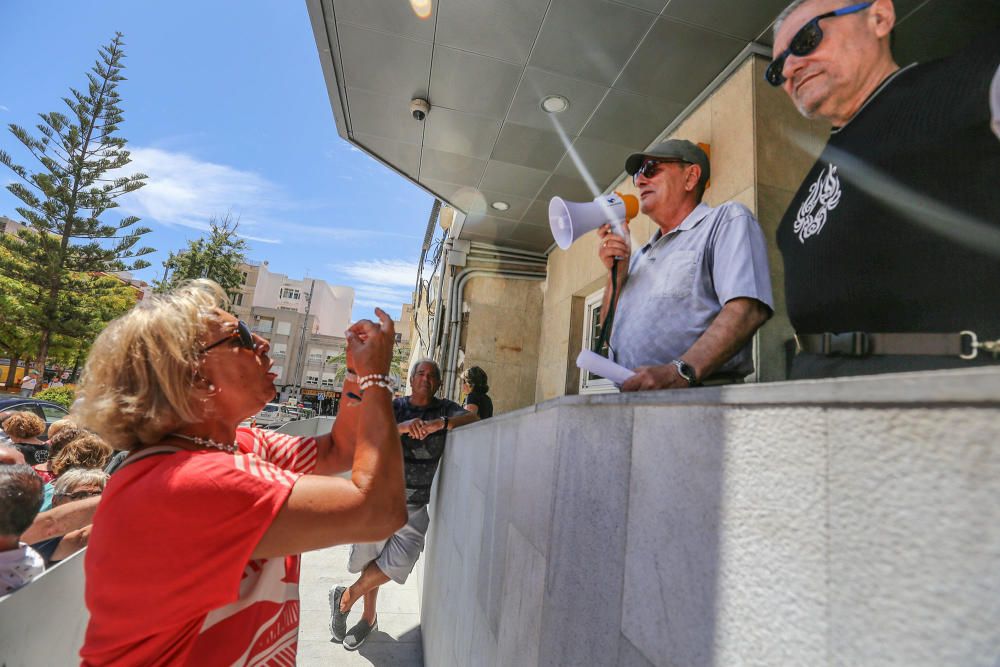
[(397, 641)]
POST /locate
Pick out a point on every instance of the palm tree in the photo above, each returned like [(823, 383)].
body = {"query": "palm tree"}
[(397, 366)]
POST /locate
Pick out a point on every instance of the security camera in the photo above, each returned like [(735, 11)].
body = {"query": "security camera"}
[(419, 108)]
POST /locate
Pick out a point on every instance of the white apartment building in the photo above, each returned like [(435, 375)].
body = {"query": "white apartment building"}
[(330, 304)]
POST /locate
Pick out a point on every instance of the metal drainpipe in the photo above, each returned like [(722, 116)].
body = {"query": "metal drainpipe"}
[(455, 308)]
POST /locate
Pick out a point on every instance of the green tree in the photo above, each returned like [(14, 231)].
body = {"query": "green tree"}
[(81, 158), (216, 255), (397, 365)]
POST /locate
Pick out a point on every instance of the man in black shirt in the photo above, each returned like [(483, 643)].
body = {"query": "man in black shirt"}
[(891, 244), (423, 421)]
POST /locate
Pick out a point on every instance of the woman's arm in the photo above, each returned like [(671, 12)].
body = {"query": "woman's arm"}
[(323, 511)]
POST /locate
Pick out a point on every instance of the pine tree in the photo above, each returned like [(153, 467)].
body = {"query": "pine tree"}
[(217, 255), (66, 243)]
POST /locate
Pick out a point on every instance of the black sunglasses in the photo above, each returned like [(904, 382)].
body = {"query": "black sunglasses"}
[(805, 41), (651, 167), (242, 332)]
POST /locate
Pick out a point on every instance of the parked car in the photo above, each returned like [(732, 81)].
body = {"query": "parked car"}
[(276, 414), (47, 410)]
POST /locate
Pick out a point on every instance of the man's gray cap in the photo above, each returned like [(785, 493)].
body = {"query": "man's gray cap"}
[(680, 149)]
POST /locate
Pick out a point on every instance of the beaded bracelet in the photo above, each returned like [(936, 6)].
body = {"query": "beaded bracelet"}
[(385, 384), (372, 376)]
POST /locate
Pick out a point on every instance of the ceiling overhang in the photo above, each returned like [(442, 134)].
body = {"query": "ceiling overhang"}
[(630, 69)]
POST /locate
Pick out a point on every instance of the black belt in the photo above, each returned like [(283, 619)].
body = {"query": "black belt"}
[(965, 344)]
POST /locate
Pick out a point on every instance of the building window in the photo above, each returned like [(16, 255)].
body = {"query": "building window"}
[(315, 355), (288, 293), (312, 379), (278, 350), (284, 328), (328, 380), (243, 279), (264, 325), (590, 383), (236, 299)]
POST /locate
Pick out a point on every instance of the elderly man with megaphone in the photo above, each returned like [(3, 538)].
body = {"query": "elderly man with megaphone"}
[(690, 300)]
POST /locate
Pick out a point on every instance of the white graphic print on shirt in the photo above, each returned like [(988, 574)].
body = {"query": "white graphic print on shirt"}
[(824, 195)]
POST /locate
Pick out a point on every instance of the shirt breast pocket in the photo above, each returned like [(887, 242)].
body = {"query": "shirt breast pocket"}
[(677, 277)]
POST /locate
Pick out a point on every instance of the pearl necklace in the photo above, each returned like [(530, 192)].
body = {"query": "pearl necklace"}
[(206, 442)]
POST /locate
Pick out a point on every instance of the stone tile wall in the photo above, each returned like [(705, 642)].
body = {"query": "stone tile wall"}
[(503, 335)]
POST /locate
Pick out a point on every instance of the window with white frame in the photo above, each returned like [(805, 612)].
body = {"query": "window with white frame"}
[(278, 350), (284, 328), (312, 378), (315, 355), (289, 293), (329, 380), (590, 383), (265, 325)]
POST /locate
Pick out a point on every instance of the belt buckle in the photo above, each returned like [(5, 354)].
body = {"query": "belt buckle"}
[(973, 345), (991, 346), (849, 344)]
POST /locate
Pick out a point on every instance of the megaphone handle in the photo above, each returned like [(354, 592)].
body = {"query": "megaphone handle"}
[(618, 226)]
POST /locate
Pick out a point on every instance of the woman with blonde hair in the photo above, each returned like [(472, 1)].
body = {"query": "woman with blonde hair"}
[(192, 557), (86, 450)]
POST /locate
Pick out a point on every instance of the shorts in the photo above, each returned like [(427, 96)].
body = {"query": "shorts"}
[(397, 555)]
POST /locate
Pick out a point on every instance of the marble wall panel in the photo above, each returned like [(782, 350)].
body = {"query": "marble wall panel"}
[(534, 447), (914, 537), (674, 523), (587, 548), (493, 549), (771, 601), (521, 610)]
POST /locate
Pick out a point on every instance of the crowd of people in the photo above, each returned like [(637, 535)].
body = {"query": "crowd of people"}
[(41, 475)]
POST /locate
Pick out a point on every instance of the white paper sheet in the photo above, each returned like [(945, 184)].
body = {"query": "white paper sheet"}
[(598, 365)]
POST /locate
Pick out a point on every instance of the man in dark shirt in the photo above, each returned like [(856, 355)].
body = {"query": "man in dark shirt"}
[(423, 421), (887, 245)]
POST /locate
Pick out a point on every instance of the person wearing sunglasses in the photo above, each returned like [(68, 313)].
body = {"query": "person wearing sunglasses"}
[(693, 296), (885, 268), (192, 558)]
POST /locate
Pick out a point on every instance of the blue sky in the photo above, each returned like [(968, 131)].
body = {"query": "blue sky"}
[(226, 110)]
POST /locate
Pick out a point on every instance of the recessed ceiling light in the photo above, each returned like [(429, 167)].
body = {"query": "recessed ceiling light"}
[(554, 104), (500, 205)]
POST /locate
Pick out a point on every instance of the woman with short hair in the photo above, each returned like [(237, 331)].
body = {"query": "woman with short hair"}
[(23, 429), (475, 386), (193, 554)]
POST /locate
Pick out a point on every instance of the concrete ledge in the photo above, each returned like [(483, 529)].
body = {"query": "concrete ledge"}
[(847, 521)]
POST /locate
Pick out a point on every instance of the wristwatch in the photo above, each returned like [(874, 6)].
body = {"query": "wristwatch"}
[(445, 418), (686, 371)]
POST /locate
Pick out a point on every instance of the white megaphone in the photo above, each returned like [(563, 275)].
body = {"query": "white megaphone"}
[(569, 220)]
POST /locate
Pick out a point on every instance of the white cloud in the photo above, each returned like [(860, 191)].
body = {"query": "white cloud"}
[(183, 190), (386, 283), (4, 108), (186, 191)]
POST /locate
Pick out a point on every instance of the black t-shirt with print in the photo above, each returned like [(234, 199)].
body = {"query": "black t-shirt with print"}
[(33, 454), (421, 457), (856, 262)]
